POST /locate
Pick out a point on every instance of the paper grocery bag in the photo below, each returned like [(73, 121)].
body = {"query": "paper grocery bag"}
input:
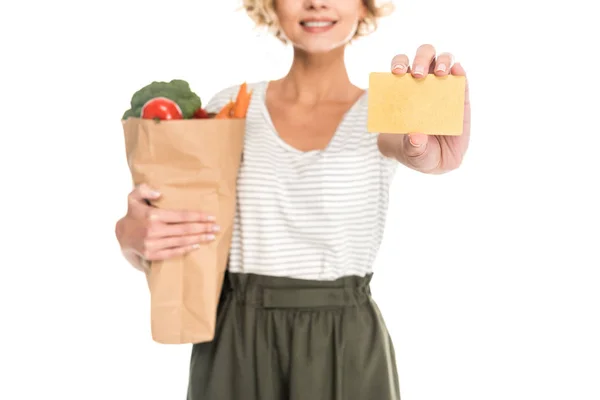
[(194, 165)]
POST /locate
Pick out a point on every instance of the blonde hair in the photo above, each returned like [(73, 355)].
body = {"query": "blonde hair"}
[(262, 12)]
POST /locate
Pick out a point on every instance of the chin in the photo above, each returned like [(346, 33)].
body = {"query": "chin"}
[(322, 42), (319, 48)]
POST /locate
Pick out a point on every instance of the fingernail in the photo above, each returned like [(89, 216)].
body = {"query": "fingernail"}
[(419, 70), (196, 246), (398, 68), (154, 193), (210, 236), (413, 143), (441, 68), (216, 228), (211, 218)]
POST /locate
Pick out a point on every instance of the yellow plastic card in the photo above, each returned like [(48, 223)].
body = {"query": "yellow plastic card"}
[(403, 104)]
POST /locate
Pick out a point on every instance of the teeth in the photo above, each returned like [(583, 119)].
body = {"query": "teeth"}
[(317, 24)]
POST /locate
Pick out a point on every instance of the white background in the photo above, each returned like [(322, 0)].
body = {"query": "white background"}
[(488, 277)]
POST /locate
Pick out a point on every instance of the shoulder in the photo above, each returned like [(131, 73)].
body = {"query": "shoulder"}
[(227, 94)]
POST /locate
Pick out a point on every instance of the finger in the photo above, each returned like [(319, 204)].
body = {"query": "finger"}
[(457, 69), (144, 192), (423, 60), (169, 230), (416, 143), (400, 64), (176, 216), (425, 157), (170, 253), (153, 246), (443, 64)]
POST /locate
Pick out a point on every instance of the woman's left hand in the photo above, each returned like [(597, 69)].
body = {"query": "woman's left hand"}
[(433, 153)]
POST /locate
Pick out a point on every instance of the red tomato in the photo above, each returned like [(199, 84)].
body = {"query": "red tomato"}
[(201, 113), (161, 108)]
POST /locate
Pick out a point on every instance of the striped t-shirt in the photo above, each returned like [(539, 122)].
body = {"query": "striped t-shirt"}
[(310, 215)]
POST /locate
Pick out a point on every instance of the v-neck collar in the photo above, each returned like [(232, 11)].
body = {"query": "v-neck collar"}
[(332, 142)]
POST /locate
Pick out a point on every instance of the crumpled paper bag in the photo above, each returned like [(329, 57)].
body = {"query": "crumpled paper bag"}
[(194, 165)]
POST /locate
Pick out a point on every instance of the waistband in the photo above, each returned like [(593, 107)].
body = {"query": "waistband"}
[(262, 291)]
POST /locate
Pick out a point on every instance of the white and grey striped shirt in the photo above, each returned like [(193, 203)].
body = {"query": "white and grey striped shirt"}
[(310, 215)]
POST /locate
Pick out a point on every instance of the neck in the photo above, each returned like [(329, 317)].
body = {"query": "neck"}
[(317, 77)]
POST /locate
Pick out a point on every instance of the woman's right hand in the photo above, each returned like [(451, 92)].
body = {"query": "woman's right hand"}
[(156, 234)]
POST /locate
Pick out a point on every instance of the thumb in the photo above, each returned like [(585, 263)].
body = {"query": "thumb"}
[(144, 192), (415, 144)]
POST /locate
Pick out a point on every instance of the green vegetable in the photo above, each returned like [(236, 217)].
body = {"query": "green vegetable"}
[(177, 90)]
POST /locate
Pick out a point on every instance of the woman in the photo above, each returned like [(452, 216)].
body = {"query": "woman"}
[(296, 319)]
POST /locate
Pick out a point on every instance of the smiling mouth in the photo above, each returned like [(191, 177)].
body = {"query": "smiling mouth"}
[(317, 24)]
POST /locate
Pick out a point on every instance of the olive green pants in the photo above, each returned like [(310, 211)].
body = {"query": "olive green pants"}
[(290, 339)]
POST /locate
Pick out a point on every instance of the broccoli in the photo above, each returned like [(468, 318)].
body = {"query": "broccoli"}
[(177, 90)]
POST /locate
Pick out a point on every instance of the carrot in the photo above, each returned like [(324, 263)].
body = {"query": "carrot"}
[(225, 112), (242, 102)]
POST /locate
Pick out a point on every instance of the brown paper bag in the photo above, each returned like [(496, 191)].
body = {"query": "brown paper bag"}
[(194, 165)]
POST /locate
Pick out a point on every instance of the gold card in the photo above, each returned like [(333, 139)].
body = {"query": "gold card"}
[(403, 104)]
